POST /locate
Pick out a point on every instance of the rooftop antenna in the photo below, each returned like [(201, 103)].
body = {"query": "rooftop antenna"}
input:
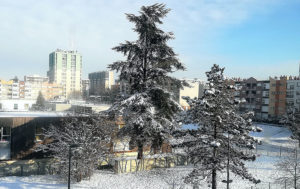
[(72, 40), (71, 43)]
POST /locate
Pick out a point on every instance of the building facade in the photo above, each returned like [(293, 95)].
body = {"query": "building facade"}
[(36, 79), (29, 89), (278, 92), (256, 96), (65, 69), (100, 82), (293, 93), (35, 84), (85, 83), (195, 90)]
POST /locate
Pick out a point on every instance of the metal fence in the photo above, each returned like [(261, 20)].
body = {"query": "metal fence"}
[(26, 167), (270, 185)]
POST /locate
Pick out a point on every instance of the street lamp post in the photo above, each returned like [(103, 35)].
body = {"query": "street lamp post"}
[(70, 154)]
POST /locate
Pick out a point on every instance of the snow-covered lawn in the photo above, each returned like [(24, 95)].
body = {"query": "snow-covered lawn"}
[(263, 168), (157, 179)]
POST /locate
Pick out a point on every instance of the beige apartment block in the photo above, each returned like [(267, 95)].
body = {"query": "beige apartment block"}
[(278, 91), (194, 91), (6, 89), (29, 89)]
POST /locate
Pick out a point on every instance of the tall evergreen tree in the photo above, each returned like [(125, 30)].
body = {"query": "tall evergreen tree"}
[(40, 102), (292, 120), (148, 109), (221, 135)]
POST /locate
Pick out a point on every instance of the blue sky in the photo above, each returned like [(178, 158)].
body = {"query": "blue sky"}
[(259, 38)]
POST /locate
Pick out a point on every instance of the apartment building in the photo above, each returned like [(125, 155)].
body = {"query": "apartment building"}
[(195, 90), (256, 95), (6, 89), (278, 93), (29, 89), (22, 89), (85, 83), (65, 69), (100, 82), (36, 79), (35, 84), (15, 89), (293, 93)]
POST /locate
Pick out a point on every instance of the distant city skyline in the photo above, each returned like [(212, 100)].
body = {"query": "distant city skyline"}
[(250, 38)]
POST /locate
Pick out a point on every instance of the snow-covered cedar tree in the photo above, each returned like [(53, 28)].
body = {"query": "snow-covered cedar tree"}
[(222, 133), (292, 120), (290, 167), (92, 135), (40, 102), (148, 108)]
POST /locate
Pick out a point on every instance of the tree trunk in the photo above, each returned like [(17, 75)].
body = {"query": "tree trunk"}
[(228, 162), (214, 179), (214, 171), (295, 176), (140, 151), (227, 186)]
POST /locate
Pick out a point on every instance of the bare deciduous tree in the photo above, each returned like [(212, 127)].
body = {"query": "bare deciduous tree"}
[(290, 166), (92, 135)]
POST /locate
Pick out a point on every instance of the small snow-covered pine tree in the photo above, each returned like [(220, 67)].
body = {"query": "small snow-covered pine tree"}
[(222, 133), (40, 102), (92, 135), (292, 120), (148, 109)]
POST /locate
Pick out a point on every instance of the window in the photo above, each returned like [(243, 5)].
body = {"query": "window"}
[(291, 86), (15, 106), (5, 134), (0, 106), (39, 135), (289, 94)]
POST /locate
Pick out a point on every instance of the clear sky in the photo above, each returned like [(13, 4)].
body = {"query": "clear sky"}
[(259, 38)]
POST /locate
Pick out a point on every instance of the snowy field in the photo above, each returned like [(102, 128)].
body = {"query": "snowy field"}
[(263, 168), (156, 179)]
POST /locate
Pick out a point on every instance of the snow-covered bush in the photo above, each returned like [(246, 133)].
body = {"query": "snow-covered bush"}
[(92, 135)]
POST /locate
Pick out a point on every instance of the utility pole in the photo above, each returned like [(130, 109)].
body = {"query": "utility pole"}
[(70, 154)]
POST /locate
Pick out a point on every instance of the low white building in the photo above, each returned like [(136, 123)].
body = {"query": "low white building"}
[(16, 104)]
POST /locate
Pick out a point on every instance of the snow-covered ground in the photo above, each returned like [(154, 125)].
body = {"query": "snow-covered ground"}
[(263, 168)]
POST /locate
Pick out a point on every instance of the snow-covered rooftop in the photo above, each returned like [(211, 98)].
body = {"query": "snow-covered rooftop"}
[(32, 114)]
